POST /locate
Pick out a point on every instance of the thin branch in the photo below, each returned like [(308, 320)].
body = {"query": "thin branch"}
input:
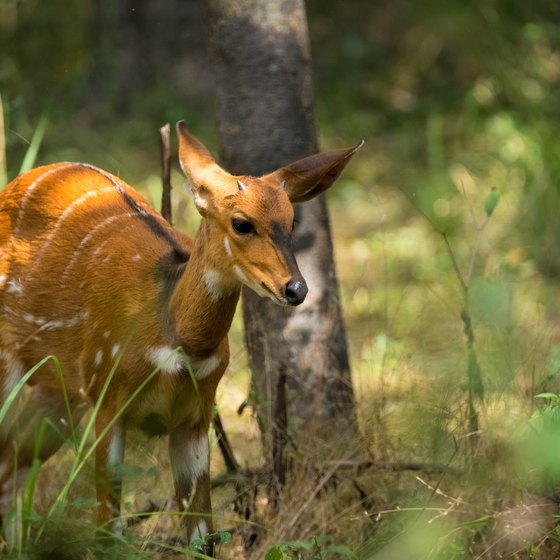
[(456, 268), (454, 262), (232, 465), (279, 440)]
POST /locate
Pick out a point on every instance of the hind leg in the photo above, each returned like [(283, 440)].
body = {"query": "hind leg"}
[(35, 430)]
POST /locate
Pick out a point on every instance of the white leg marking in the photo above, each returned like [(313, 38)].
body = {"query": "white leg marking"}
[(200, 531), (190, 458), (203, 368), (115, 454), (115, 457), (15, 372), (98, 357), (166, 358), (227, 246)]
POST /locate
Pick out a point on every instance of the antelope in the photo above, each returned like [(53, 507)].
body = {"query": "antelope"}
[(91, 273)]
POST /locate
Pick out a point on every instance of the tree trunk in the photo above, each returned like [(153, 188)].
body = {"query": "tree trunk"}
[(260, 53)]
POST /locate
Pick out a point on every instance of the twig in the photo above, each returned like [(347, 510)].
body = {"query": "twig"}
[(232, 465), (279, 440), (454, 261), (388, 466), (474, 373)]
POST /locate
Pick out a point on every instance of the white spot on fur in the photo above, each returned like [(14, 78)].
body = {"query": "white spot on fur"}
[(98, 358), (239, 273), (166, 358), (213, 283), (203, 368), (200, 531), (115, 350), (28, 318), (14, 287), (2, 280), (137, 258), (227, 247), (189, 458), (39, 321), (73, 321), (106, 334)]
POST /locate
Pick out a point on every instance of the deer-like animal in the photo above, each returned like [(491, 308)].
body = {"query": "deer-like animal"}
[(90, 273)]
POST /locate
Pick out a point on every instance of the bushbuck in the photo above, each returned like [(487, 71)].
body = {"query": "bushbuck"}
[(136, 312)]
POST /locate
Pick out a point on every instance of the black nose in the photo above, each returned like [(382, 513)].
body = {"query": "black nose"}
[(295, 292)]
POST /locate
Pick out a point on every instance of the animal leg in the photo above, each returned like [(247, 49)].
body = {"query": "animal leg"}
[(189, 453), (38, 430), (109, 456)]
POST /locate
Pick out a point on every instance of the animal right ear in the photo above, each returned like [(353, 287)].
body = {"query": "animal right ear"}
[(199, 166), (308, 177)]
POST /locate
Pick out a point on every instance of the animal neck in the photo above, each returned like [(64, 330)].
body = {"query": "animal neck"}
[(204, 300)]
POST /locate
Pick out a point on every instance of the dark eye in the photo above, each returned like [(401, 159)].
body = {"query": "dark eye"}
[(242, 226)]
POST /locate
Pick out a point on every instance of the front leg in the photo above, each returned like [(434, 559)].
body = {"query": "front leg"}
[(189, 454)]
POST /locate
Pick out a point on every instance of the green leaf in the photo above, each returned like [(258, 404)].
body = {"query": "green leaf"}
[(276, 553), (225, 537), (341, 550), (491, 201), (302, 545), (552, 396)]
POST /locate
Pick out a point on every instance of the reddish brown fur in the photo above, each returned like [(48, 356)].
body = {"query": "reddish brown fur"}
[(101, 283)]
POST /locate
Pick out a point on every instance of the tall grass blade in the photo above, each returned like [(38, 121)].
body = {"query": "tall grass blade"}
[(33, 149), (18, 387), (3, 159)]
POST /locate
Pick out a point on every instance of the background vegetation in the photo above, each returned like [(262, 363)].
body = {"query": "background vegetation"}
[(447, 218)]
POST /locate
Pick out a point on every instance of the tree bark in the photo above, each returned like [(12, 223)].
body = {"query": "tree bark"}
[(261, 57)]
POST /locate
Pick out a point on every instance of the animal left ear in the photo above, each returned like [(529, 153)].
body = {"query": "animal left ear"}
[(207, 177), (308, 177)]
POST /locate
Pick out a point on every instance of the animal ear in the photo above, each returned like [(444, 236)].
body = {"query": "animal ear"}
[(200, 167), (308, 177)]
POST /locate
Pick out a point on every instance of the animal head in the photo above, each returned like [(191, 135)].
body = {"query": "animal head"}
[(252, 218)]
